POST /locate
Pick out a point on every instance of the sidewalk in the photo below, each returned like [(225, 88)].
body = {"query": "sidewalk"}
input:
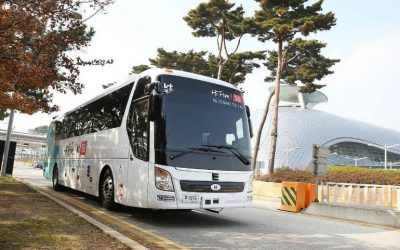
[(30, 220), (266, 202), (109, 222)]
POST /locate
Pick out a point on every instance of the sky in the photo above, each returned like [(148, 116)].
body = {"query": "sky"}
[(366, 39)]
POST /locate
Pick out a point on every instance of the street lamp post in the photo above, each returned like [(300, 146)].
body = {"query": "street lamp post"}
[(385, 148), (393, 164), (7, 143), (356, 160), (287, 150)]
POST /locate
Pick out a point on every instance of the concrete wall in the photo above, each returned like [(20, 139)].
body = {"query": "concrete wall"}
[(270, 189), (267, 189), (366, 215)]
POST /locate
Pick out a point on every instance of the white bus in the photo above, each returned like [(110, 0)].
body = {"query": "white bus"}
[(165, 139)]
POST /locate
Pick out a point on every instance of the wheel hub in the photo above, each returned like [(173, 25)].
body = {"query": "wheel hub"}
[(108, 188)]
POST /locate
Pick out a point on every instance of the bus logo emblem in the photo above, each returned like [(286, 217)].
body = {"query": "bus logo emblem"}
[(215, 187), (168, 88)]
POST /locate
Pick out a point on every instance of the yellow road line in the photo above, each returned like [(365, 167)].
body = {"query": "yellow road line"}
[(149, 236)]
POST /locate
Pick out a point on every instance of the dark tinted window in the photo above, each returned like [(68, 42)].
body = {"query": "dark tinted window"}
[(137, 127), (114, 107), (196, 113), (102, 114), (139, 90), (58, 130), (200, 113), (66, 129), (96, 112)]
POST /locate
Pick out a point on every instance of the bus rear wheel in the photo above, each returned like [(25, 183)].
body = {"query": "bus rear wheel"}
[(107, 190), (55, 180)]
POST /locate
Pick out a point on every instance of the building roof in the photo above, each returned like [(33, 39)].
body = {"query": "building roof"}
[(291, 96), (301, 128)]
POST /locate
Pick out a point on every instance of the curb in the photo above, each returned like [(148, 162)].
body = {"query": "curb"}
[(105, 229)]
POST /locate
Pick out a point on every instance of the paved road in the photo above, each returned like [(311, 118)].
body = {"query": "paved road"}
[(254, 228)]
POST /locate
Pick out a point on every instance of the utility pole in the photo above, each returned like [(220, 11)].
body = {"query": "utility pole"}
[(386, 147), (7, 143)]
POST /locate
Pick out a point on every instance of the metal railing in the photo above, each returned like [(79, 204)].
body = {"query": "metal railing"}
[(361, 195)]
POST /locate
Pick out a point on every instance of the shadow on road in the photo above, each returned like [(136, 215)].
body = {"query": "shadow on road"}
[(162, 218), (180, 218)]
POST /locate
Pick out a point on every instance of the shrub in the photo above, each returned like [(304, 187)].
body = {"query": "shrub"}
[(337, 174)]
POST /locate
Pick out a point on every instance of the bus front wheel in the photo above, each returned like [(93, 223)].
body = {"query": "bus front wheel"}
[(107, 190), (55, 180)]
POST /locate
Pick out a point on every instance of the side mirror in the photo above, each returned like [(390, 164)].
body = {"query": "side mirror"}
[(248, 111), (249, 122), (148, 88), (250, 127)]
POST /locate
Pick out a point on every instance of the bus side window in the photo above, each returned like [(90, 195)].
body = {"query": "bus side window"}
[(65, 129), (137, 127), (114, 106), (140, 87), (58, 130)]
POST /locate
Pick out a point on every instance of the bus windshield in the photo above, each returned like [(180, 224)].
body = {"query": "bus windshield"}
[(204, 125)]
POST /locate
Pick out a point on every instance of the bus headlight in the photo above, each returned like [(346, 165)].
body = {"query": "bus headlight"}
[(163, 180)]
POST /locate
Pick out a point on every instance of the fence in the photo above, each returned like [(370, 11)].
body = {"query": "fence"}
[(361, 195)]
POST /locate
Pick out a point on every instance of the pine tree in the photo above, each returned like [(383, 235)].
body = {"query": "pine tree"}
[(190, 61), (219, 18), (205, 63), (281, 21), (306, 64), (140, 68)]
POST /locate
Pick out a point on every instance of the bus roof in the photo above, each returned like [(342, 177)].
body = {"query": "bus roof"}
[(162, 71), (153, 73)]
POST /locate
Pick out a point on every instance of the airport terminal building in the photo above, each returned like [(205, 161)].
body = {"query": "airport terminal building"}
[(351, 142)]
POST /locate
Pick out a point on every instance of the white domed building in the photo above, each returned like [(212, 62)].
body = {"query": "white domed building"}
[(300, 126)]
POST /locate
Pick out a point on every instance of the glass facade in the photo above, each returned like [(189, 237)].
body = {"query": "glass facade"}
[(354, 153), (348, 139)]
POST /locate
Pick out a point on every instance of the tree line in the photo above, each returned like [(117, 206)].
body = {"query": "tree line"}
[(285, 23)]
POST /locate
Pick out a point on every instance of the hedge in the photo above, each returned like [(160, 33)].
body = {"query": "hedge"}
[(337, 174)]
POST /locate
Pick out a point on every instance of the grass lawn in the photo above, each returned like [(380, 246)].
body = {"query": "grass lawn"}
[(29, 220)]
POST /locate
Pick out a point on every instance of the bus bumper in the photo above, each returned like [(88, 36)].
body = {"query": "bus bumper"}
[(227, 197), (192, 200)]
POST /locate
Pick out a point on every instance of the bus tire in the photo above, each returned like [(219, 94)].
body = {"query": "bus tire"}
[(55, 180), (107, 190)]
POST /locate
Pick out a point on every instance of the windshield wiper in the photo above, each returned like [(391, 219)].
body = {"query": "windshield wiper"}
[(233, 150), (192, 150)]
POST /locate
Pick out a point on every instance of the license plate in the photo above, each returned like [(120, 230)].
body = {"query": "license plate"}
[(191, 198)]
